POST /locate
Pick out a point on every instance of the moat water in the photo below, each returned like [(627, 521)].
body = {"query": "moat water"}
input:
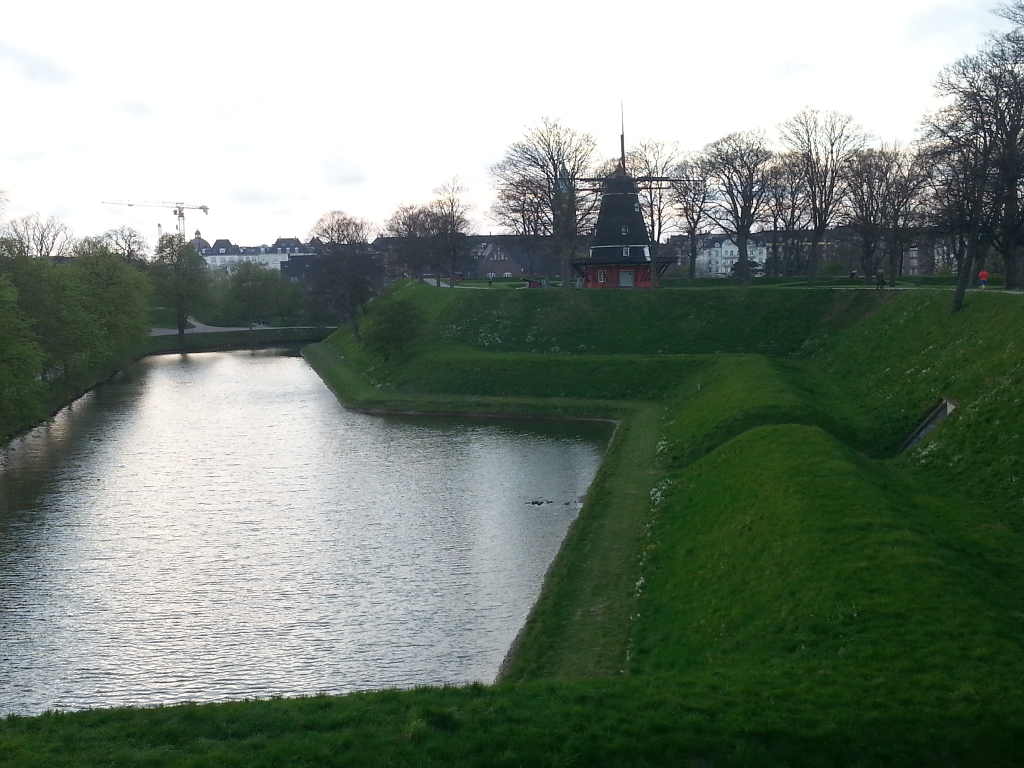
[(216, 526)]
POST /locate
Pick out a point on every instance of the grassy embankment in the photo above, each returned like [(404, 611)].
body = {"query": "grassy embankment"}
[(755, 578)]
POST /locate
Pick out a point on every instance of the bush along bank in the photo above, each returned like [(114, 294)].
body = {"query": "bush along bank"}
[(756, 578)]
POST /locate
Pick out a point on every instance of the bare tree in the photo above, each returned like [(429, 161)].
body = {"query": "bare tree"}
[(1004, 54), (823, 142), (691, 196), (739, 166), (126, 242), (525, 217), (340, 228), (545, 168), (864, 210), (41, 238), (788, 214), (449, 215), (654, 159), (1013, 12), (976, 144), (412, 226), (1005, 66), (960, 207), (903, 202), (343, 274), (885, 203)]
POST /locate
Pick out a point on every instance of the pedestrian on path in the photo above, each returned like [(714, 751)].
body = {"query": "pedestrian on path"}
[(880, 280), (983, 278)]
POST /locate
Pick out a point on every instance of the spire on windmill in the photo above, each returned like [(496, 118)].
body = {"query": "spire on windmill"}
[(622, 136)]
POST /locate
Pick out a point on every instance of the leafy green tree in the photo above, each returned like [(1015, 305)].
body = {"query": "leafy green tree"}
[(395, 325), (116, 293), (286, 297), (21, 364), (251, 288), (59, 313), (63, 327), (181, 279)]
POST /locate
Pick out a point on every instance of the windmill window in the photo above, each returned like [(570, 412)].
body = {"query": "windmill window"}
[(602, 276), (625, 230), (636, 206), (625, 253)]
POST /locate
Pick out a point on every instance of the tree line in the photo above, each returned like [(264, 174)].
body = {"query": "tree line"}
[(74, 311), (63, 327), (959, 185)]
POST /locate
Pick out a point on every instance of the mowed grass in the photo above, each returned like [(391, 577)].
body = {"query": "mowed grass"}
[(827, 577), (631, 722), (645, 322), (756, 578), (896, 364)]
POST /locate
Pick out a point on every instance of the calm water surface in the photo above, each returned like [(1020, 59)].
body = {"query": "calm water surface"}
[(216, 526)]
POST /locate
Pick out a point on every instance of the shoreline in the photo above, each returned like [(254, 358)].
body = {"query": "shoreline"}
[(587, 582)]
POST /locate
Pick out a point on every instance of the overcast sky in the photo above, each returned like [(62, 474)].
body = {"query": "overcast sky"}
[(273, 113)]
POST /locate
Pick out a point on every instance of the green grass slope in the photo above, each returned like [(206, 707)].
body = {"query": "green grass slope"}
[(647, 322), (757, 578), (831, 588), (896, 364)]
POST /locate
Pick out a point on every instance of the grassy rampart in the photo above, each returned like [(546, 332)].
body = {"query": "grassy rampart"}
[(757, 578)]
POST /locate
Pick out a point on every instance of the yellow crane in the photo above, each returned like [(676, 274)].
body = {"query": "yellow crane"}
[(178, 208)]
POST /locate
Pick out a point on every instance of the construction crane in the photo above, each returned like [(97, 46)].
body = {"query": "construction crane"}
[(178, 208)]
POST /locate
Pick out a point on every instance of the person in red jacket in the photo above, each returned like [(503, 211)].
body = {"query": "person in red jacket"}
[(983, 278)]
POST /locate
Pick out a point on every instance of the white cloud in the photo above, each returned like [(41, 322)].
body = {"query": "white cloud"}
[(254, 197), (29, 157), (339, 172), (32, 66), (136, 109), (956, 23)]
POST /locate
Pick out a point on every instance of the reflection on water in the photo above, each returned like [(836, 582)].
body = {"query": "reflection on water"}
[(216, 526)]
